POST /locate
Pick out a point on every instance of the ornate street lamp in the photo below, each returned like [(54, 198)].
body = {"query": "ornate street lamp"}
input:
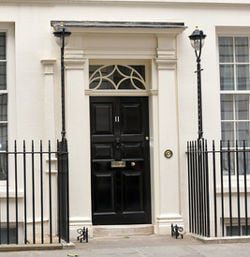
[(62, 36), (197, 41)]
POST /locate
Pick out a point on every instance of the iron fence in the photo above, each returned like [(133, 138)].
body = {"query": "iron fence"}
[(34, 193), (218, 188)]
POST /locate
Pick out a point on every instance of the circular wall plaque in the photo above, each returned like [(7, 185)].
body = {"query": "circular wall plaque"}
[(168, 153)]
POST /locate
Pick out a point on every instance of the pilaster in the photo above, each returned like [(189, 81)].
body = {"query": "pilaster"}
[(168, 179), (78, 134), (49, 99)]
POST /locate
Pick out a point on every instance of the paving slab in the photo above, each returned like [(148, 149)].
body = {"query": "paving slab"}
[(142, 246)]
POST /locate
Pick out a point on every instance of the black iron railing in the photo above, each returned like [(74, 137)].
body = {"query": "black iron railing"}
[(218, 188), (34, 193)]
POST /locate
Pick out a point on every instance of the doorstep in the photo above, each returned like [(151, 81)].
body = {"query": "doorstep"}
[(122, 230)]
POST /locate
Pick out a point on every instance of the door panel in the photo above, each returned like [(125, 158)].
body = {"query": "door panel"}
[(132, 150), (132, 191), (119, 132), (131, 122), (105, 184), (103, 118), (102, 151)]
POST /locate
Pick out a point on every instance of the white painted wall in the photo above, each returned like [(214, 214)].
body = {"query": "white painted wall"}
[(173, 110)]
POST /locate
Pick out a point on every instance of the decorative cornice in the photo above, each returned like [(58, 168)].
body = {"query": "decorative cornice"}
[(121, 24), (176, 2), (74, 59), (166, 64), (74, 53), (48, 66), (166, 54), (74, 64), (134, 27)]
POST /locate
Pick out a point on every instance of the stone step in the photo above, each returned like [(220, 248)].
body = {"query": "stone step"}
[(122, 230)]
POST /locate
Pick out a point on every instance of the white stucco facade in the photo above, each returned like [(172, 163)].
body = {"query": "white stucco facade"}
[(33, 73)]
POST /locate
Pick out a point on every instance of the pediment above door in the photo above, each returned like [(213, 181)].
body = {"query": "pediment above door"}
[(123, 40), (143, 27)]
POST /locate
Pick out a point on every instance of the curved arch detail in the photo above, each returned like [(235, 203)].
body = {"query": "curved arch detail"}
[(113, 76)]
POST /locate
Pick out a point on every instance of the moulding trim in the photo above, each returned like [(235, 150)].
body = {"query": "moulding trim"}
[(231, 2), (48, 66), (166, 64), (120, 54), (90, 92), (78, 221), (74, 63), (166, 54)]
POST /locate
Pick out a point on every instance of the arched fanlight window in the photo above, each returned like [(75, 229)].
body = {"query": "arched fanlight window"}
[(117, 77)]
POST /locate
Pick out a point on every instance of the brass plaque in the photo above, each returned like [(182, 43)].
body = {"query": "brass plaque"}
[(118, 164), (168, 153)]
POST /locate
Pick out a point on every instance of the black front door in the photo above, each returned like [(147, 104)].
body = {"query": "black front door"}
[(120, 160)]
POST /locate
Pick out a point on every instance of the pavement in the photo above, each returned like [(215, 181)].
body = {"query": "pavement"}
[(142, 246)]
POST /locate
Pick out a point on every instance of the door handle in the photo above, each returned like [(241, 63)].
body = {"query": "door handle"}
[(132, 164)]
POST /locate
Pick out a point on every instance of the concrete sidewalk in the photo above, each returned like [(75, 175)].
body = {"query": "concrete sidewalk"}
[(144, 246)]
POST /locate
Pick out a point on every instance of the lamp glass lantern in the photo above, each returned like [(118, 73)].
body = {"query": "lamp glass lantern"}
[(62, 35), (197, 39)]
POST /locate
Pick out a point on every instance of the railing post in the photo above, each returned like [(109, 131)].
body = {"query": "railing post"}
[(230, 186), (33, 192), (41, 191), (238, 187), (245, 185), (63, 190), (214, 188), (25, 192), (7, 194), (16, 189), (207, 190), (189, 189)]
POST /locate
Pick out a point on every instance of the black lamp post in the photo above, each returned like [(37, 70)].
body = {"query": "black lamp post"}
[(197, 41), (62, 35)]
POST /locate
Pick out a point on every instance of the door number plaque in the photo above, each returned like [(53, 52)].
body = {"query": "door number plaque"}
[(118, 164)]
